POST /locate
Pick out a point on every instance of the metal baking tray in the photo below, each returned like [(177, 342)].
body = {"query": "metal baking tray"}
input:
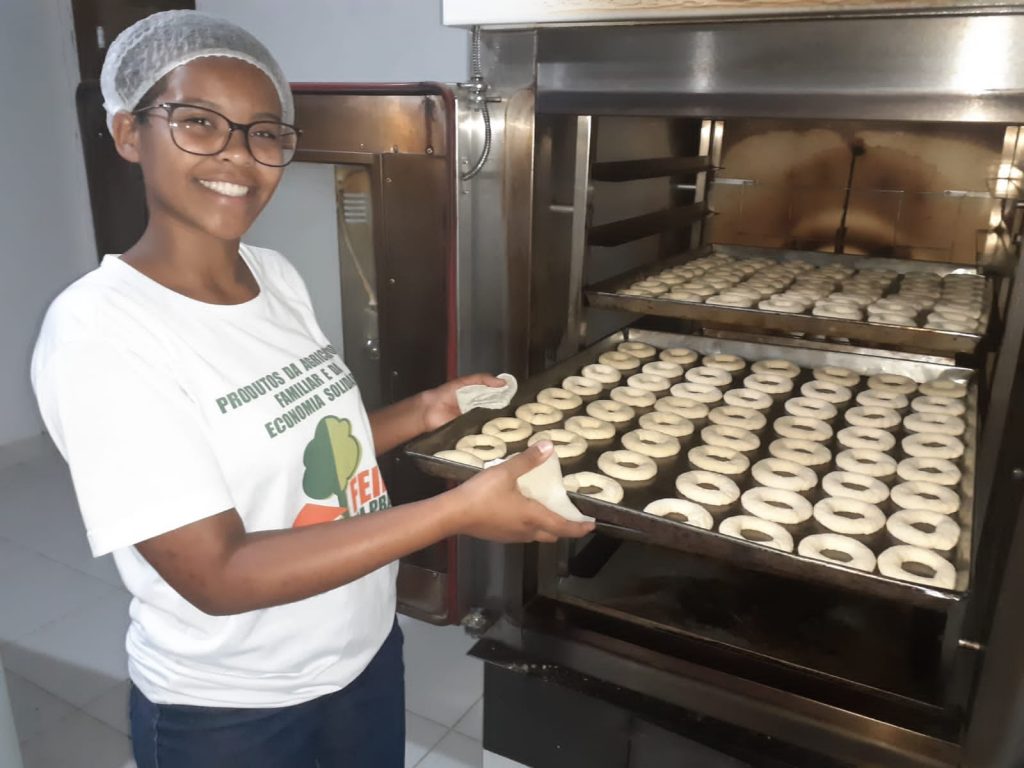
[(627, 521), (603, 295)]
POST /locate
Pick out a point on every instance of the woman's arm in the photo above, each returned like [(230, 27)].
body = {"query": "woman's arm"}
[(222, 569)]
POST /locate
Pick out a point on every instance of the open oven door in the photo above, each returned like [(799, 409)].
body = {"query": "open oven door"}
[(392, 148)]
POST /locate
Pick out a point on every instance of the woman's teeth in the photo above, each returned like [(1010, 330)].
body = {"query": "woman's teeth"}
[(225, 188)]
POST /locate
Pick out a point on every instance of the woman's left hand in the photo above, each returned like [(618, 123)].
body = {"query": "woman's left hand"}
[(440, 405)]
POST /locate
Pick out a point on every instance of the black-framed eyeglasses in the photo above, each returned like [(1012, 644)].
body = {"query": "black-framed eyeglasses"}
[(203, 131)]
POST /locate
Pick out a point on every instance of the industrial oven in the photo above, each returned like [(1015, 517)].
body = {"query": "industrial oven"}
[(500, 225)]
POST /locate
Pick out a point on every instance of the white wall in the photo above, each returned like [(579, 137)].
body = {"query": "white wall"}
[(46, 238)]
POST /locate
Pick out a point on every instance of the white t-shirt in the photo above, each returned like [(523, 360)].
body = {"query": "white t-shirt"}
[(170, 410)]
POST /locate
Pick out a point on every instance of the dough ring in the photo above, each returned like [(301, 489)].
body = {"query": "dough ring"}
[(833, 374), (708, 488), (559, 398), (627, 465), (948, 406), (943, 388), (920, 470), (892, 382), (638, 349), (867, 437), (839, 550), (777, 505), (798, 428), (650, 382), (920, 528), (679, 355), (611, 411), (484, 447), (590, 428), (605, 374), (714, 377), (724, 436), (682, 406), (935, 423), (668, 423), (631, 396), (921, 566), (702, 393), (929, 445), (811, 408), (460, 457), (507, 428), (806, 453), (733, 416), (866, 462), (568, 445), (849, 517), (538, 414), (620, 361), (853, 485), (664, 369), (582, 386), (748, 398), (784, 475), (594, 485), (757, 531), (769, 383), (724, 362), (829, 391), (871, 416), (928, 496), (718, 459), (880, 398), (648, 442), (681, 511)]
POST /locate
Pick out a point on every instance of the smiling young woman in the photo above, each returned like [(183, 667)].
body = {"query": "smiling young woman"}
[(261, 557)]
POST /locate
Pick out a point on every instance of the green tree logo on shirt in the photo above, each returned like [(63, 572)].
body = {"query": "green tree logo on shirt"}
[(331, 459)]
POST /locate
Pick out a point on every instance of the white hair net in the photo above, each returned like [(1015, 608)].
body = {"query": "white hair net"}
[(157, 44)]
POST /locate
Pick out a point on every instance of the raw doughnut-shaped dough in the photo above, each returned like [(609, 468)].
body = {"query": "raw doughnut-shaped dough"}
[(892, 382), (930, 445), (837, 549), (737, 439), (702, 393), (803, 429), (664, 369), (775, 504), (734, 416), (873, 417), (920, 528), (769, 383), (707, 488), (621, 361), (679, 355), (867, 437), (668, 423), (460, 457), (921, 470), (484, 447), (943, 388), (776, 367), (784, 475), (647, 442), (811, 408), (730, 299), (748, 398), (930, 496), (948, 406), (716, 458), (880, 398), (829, 391), (611, 411), (650, 382), (602, 373), (633, 397), (702, 374), (725, 362), (594, 485), (559, 398), (627, 465), (682, 511), (893, 562), (834, 374), (568, 445), (935, 423), (866, 462), (837, 310), (682, 406), (849, 517), (757, 531), (806, 453), (582, 386), (590, 428), (853, 485), (507, 428), (538, 414), (638, 349)]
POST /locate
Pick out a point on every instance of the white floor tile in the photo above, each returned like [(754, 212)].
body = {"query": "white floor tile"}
[(455, 751), (112, 708), (421, 736), (79, 657), (79, 741), (441, 681), (472, 723), (35, 710)]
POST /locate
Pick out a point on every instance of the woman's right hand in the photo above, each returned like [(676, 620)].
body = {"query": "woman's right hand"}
[(491, 507)]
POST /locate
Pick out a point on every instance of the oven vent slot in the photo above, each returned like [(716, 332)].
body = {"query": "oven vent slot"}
[(632, 170)]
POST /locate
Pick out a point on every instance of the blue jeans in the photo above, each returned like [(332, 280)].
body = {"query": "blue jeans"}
[(360, 726)]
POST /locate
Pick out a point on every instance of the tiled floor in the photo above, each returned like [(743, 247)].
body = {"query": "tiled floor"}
[(62, 621)]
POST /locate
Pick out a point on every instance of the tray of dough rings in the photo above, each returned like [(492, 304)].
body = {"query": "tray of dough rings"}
[(893, 303), (853, 468)]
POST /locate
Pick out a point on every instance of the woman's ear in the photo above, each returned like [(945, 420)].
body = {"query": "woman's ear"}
[(125, 131)]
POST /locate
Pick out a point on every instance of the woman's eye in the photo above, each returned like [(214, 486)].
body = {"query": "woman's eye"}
[(200, 121)]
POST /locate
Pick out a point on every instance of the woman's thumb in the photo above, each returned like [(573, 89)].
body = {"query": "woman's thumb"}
[(532, 457)]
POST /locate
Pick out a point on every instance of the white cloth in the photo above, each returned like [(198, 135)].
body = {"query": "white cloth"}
[(170, 410), (544, 485), (482, 396)]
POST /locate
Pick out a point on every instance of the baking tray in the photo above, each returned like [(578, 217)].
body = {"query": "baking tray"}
[(626, 521), (603, 295)]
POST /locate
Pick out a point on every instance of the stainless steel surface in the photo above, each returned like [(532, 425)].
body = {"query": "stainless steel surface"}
[(604, 295), (424, 593), (580, 225), (947, 68), (643, 527)]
